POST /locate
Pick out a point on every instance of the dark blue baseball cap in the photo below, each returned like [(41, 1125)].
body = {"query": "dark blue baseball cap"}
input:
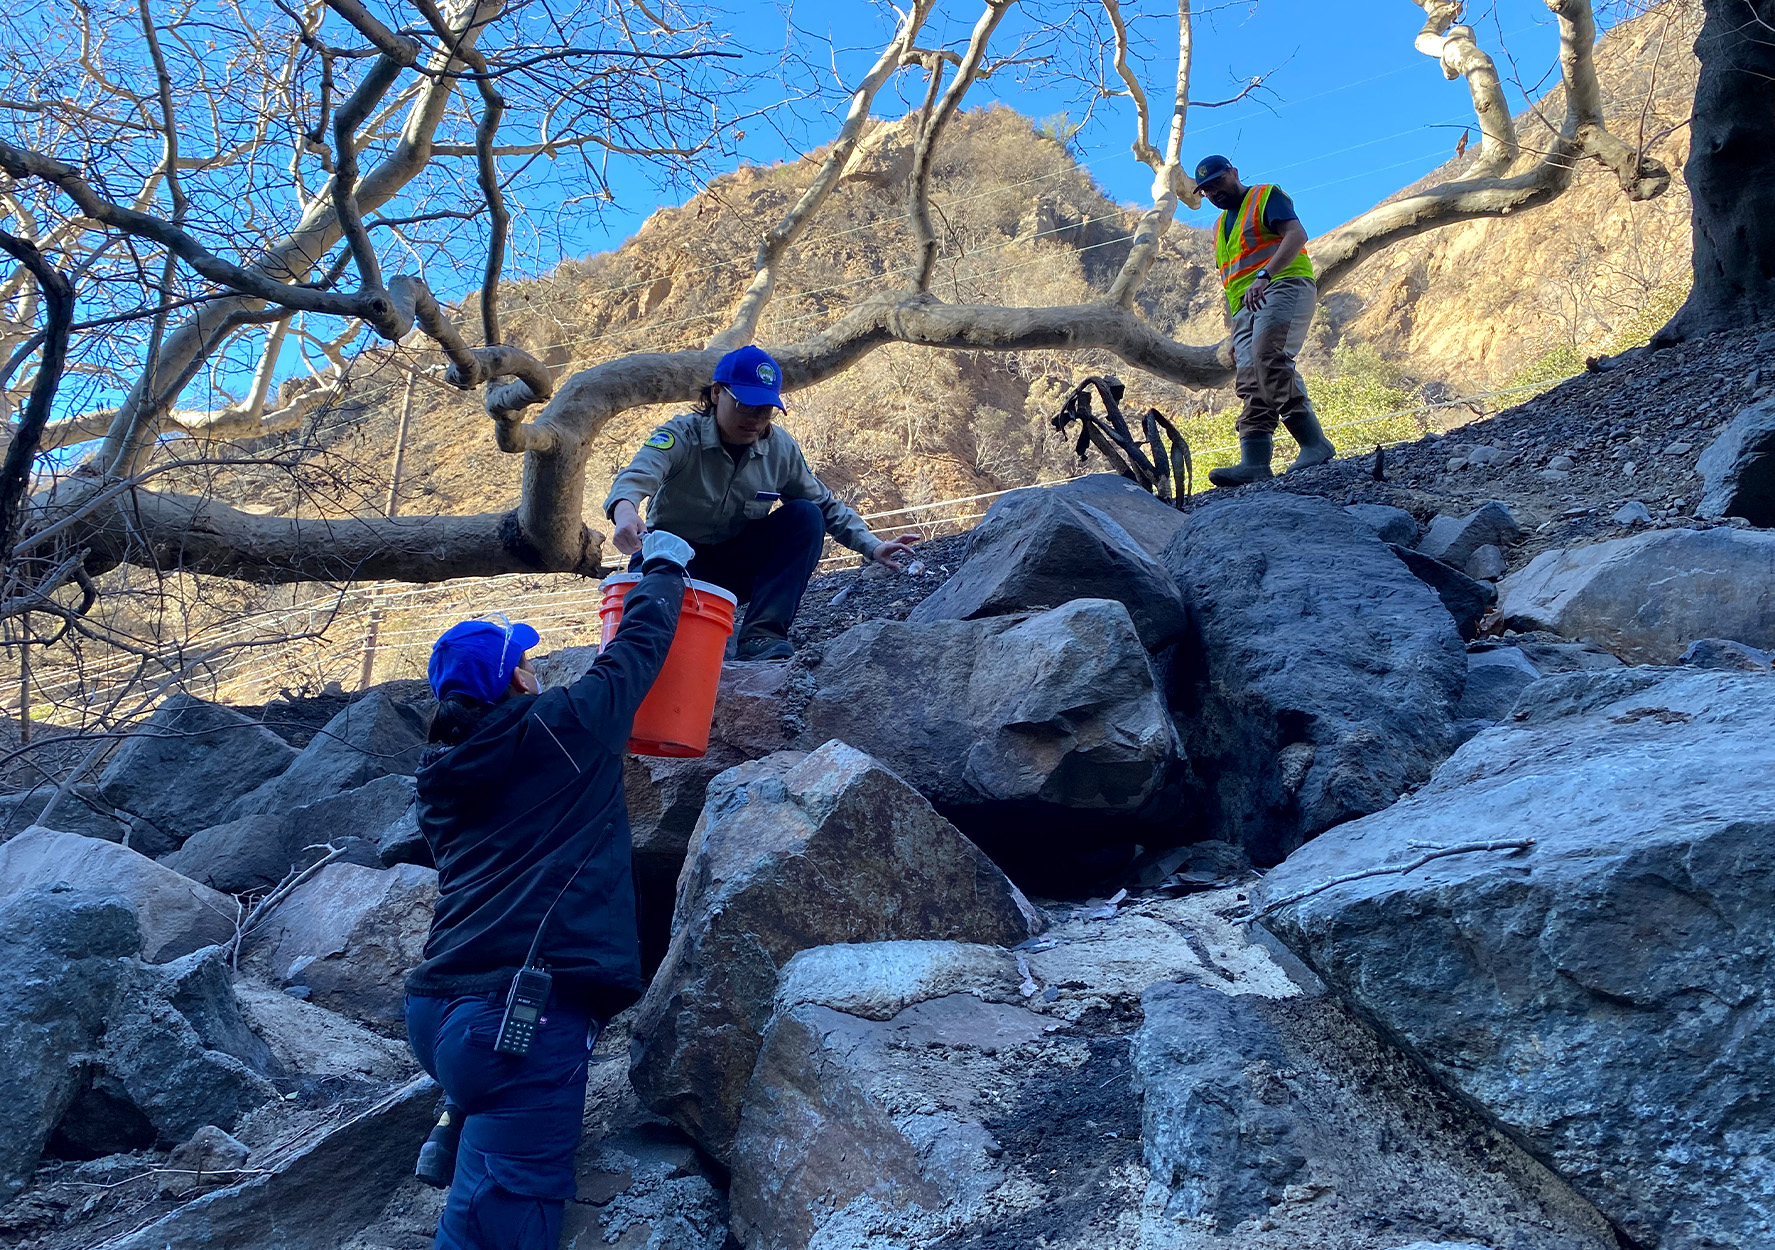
[(752, 376), (478, 658), (1211, 167)]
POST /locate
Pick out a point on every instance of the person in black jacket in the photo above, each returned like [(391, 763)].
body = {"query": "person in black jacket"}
[(521, 801)]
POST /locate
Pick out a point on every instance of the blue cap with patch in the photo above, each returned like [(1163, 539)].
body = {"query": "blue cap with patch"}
[(752, 376), (478, 658)]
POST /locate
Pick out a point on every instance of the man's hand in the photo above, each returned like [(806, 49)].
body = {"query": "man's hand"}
[(1254, 294), (889, 553), (629, 530)]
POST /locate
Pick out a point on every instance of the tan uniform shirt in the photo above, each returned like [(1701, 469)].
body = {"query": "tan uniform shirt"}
[(701, 495)]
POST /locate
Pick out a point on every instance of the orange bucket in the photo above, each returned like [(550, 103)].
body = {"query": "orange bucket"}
[(674, 718)]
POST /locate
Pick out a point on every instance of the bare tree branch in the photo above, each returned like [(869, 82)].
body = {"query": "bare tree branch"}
[(778, 240)]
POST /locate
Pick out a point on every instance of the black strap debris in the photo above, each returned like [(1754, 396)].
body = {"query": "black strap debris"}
[(1163, 468)]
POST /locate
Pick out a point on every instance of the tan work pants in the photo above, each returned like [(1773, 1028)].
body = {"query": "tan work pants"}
[(1265, 341)]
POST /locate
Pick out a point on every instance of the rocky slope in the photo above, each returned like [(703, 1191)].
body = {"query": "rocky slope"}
[(1009, 959)]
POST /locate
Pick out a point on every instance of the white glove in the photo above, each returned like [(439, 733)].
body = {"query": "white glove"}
[(662, 545)]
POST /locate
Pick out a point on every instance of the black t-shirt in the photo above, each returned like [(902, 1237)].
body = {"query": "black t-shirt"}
[(1276, 211), (736, 451)]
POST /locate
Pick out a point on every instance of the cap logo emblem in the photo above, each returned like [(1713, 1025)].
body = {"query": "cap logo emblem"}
[(767, 374)]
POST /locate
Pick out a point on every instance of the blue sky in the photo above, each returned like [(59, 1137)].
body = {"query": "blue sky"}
[(1351, 111)]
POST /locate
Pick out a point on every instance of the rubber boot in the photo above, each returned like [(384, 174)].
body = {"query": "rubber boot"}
[(1315, 448), (437, 1157), (1255, 451)]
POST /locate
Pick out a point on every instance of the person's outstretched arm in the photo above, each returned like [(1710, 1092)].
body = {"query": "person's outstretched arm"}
[(604, 701)]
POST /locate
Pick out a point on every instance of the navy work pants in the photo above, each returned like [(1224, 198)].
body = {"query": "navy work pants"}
[(514, 1166), (767, 565)]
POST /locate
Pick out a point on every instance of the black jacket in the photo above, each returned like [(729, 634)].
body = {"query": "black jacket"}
[(534, 793)]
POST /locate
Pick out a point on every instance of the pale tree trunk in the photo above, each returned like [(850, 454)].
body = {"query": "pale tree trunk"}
[(1731, 172)]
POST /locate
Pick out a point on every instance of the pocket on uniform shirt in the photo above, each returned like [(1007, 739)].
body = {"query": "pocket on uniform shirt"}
[(756, 509)]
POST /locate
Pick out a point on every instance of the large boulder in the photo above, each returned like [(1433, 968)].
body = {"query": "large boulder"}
[(796, 851), (1058, 713), (1738, 469), (1330, 673), (185, 768), (307, 1038), (1647, 597), (369, 738), (176, 1055), (61, 954), (350, 934), (1040, 548), (1150, 521), (236, 857), (1147, 1076), (176, 915), (1606, 994), (307, 1191), (84, 811)]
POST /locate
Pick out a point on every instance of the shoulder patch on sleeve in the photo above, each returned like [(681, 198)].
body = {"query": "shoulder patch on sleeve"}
[(661, 438)]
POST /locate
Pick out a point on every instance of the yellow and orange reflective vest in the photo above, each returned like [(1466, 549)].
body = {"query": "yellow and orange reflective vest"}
[(1241, 249)]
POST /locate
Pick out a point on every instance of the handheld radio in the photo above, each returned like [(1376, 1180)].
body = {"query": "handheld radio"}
[(524, 1005)]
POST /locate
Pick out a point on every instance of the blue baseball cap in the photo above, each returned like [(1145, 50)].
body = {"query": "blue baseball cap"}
[(752, 376), (478, 658), (1211, 167)]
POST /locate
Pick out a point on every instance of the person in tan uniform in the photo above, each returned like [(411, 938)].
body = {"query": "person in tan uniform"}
[(739, 490)]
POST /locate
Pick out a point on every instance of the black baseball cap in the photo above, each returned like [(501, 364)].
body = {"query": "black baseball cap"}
[(1211, 167)]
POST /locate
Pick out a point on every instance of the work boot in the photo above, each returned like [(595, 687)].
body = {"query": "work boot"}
[(437, 1157), (763, 647), (1255, 451), (1315, 448)]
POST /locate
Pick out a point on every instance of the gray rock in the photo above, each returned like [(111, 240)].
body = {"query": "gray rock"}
[(186, 767), (1486, 564), (310, 1192), (1150, 521), (1487, 455), (1331, 672), (361, 817), (176, 1055), (403, 842), (309, 1039), (846, 1078), (84, 811), (1580, 992), (1391, 525), (1216, 1121), (1561, 465), (796, 851), (370, 738), (1633, 513), (1738, 469), (914, 1094), (209, 1160), (61, 953), (1060, 710), (176, 915), (1495, 677), (1467, 599), (1551, 656), (350, 934), (1453, 540), (1647, 597), (1037, 549), (1726, 654), (242, 856)]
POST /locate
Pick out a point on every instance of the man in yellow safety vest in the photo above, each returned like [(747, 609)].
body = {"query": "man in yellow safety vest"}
[(1259, 245)]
